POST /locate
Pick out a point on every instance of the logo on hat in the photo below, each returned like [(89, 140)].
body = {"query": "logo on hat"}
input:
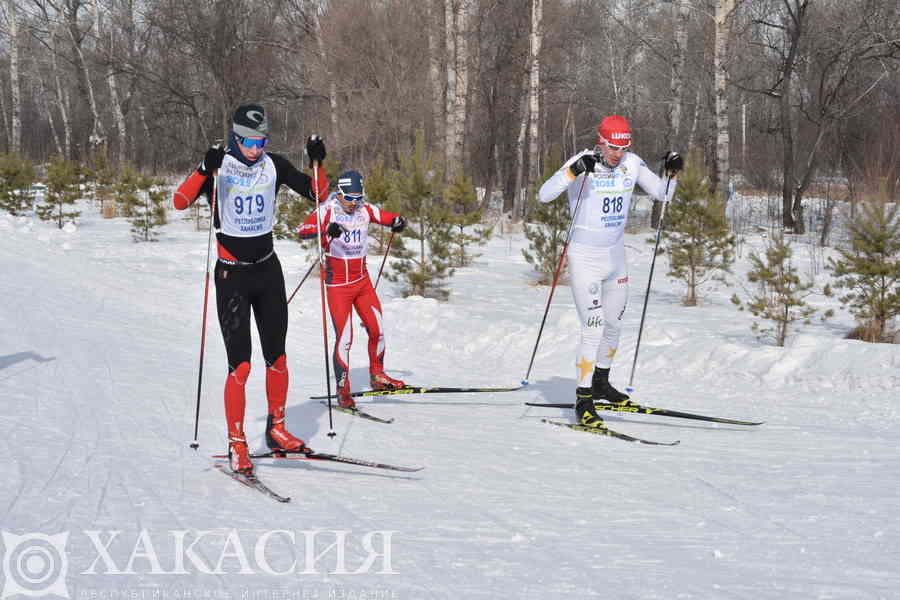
[(350, 182), (256, 116)]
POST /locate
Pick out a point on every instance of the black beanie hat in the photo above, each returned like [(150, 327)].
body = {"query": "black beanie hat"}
[(250, 121)]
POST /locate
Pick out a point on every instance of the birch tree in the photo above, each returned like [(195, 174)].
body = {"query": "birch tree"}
[(724, 9), (534, 91), (15, 125)]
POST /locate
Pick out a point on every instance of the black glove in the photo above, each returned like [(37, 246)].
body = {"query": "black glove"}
[(585, 164), (212, 161), (334, 230), (315, 149), (398, 224), (673, 163)]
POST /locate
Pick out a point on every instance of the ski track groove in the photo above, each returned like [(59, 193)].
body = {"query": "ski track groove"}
[(22, 480)]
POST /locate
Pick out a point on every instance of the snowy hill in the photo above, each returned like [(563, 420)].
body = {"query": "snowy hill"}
[(99, 344)]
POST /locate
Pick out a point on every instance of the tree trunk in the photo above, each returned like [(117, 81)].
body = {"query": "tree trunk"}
[(45, 104), (724, 9), (434, 75), (793, 30), (518, 197), (116, 105), (15, 133), (680, 16), (462, 84), (62, 101), (98, 132), (332, 85), (534, 91), (451, 164)]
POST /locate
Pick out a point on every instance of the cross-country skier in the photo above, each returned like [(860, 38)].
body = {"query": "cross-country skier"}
[(345, 219), (596, 253), (248, 273)]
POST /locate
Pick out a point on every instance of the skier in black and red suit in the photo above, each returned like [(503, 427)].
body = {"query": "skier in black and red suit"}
[(248, 274)]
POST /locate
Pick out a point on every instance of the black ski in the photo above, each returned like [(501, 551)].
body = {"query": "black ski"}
[(251, 481), (329, 457), (609, 432), (359, 413), (413, 389), (630, 407)]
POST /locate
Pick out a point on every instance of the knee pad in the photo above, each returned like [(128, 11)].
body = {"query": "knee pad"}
[(241, 373)]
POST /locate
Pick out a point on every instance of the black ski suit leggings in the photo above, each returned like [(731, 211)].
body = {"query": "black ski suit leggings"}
[(261, 287)]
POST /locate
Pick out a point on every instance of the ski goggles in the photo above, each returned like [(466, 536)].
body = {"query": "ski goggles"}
[(251, 142)]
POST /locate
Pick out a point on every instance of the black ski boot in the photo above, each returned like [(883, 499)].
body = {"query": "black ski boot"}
[(585, 413), (602, 391)]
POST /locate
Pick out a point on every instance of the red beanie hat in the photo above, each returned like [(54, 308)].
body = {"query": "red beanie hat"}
[(614, 130)]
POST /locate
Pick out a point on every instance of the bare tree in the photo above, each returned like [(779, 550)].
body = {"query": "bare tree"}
[(828, 59)]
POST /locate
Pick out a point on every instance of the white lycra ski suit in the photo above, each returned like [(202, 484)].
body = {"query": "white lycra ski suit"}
[(596, 252)]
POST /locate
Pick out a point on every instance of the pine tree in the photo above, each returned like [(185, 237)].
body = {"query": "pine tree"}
[(380, 191), (550, 227), (461, 197), (63, 179), (700, 245), (870, 270), (780, 293), (291, 211), (424, 268), (102, 176), (144, 202), (16, 178)]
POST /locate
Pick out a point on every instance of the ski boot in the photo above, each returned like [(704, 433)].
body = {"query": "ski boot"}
[(585, 413), (345, 400), (279, 439), (382, 381), (239, 455), (603, 391)]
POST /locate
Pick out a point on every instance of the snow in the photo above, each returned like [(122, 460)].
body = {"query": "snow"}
[(99, 347)]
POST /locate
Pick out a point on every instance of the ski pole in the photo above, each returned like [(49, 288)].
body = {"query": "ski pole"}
[(331, 433), (296, 289), (212, 211), (562, 258), (637, 346), (384, 260)]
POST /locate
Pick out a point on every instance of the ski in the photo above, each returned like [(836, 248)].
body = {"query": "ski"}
[(329, 457), (631, 407), (609, 432), (252, 482), (359, 413), (413, 389)]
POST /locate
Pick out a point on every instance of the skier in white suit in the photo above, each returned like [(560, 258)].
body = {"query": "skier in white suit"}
[(600, 183)]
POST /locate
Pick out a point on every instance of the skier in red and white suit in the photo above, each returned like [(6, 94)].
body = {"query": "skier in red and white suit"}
[(344, 218)]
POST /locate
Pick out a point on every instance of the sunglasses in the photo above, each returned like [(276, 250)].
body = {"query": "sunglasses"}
[(252, 142), (615, 148), (356, 198)]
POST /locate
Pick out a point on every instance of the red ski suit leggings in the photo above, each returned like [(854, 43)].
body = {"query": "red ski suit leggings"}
[(341, 300)]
